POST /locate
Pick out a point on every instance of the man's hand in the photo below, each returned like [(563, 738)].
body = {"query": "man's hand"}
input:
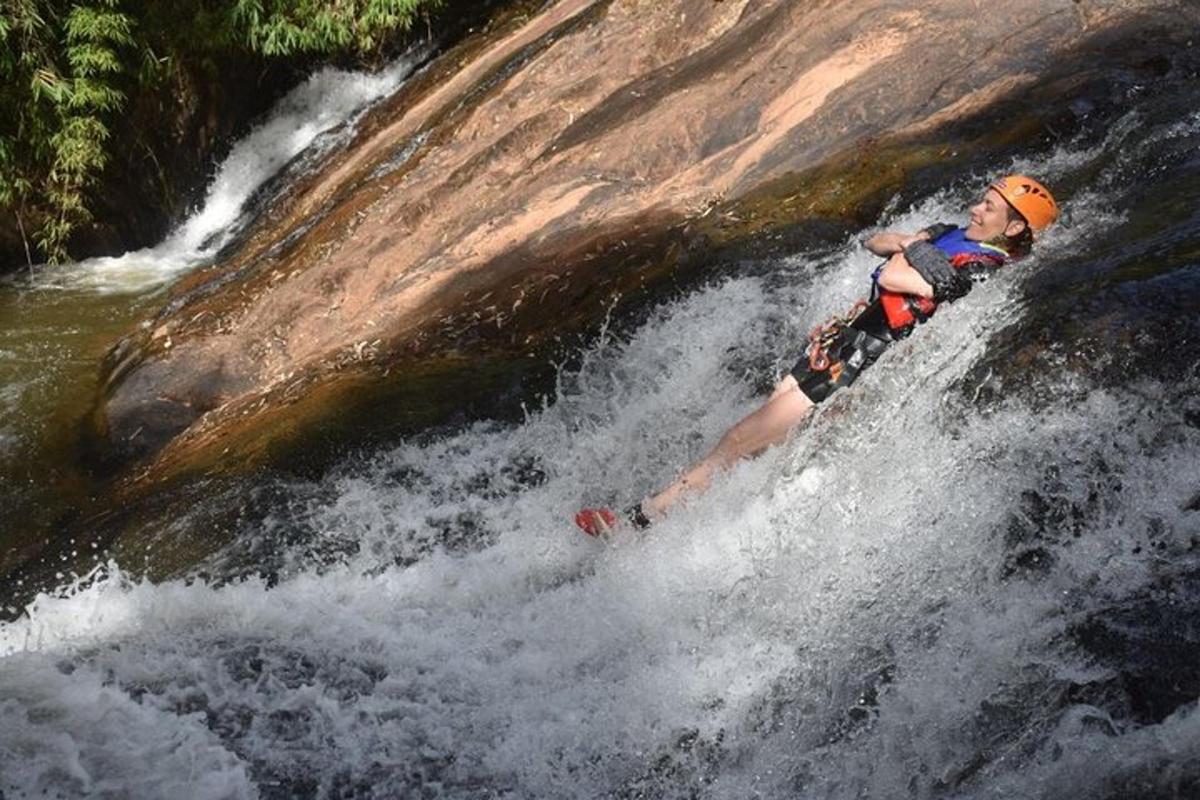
[(932, 265), (899, 276), (888, 243)]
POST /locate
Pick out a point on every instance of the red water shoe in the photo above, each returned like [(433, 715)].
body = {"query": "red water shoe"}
[(598, 522)]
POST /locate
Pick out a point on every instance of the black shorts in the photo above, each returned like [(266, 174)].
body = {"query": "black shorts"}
[(850, 352)]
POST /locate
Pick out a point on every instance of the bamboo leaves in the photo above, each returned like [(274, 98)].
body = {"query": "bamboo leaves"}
[(283, 27), (61, 72)]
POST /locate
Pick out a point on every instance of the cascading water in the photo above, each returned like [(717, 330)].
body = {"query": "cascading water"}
[(948, 585), (314, 117)]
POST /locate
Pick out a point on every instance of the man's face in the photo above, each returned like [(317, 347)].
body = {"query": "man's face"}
[(989, 219)]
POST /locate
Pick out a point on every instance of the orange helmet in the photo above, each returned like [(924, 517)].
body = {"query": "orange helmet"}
[(1031, 199)]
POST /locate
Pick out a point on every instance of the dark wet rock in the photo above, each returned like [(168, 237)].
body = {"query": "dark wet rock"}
[(1160, 780), (1008, 727), (1153, 642), (787, 708), (287, 725), (1029, 563), (286, 786), (1061, 508), (681, 770), (230, 721)]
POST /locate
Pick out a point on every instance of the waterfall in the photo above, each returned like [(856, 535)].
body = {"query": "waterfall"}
[(308, 122)]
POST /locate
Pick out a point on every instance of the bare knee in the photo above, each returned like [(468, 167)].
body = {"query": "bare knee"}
[(730, 447), (787, 384)]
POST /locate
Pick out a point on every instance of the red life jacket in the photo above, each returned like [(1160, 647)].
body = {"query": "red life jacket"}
[(905, 310)]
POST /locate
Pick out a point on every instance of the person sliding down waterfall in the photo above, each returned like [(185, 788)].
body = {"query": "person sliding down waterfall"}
[(936, 265)]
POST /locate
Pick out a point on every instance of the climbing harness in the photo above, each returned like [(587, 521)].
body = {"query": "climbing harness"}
[(824, 335)]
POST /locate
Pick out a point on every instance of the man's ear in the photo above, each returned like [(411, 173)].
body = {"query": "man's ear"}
[(1015, 227)]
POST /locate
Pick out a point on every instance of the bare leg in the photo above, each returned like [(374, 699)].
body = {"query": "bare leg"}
[(770, 424)]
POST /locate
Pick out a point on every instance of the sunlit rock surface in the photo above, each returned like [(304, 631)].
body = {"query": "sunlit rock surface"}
[(513, 189)]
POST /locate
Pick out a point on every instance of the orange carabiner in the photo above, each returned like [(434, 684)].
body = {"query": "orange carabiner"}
[(818, 359)]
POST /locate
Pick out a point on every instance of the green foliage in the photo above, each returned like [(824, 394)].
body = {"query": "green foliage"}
[(283, 27), (68, 66), (59, 69)]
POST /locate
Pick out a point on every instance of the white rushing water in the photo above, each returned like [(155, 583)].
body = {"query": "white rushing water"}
[(830, 620), (314, 117)]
